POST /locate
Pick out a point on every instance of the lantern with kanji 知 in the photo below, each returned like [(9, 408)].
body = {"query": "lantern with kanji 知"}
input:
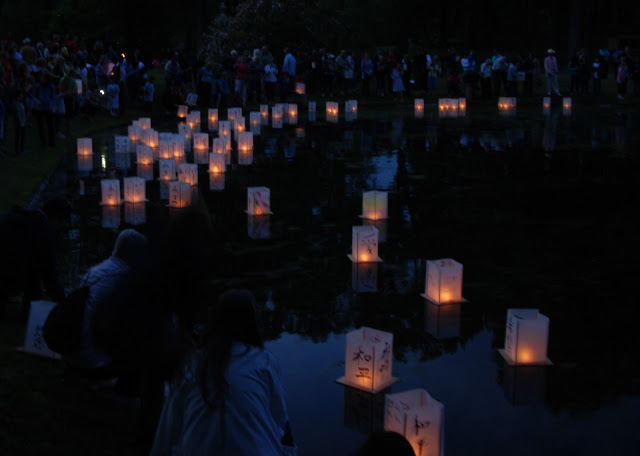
[(364, 245), (254, 123), (212, 117), (418, 417), (276, 117), (167, 170), (374, 205), (443, 281), (526, 337), (217, 162), (368, 360), (134, 189), (179, 194), (258, 201), (188, 172), (418, 108), (110, 192), (84, 147)]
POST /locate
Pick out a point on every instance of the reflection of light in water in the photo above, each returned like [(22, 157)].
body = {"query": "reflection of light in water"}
[(290, 150), (271, 147), (103, 161), (386, 167)]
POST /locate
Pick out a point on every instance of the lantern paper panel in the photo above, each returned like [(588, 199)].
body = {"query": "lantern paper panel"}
[(418, 417), (254, 123), (245, 157), (167, 170), (145, 171), (123, 161), (264, 114), (351, 110), (212, 118), (134, 189), (363, 411), (301, 88), (177, 145), (381, 225), (546, 106), (276, 117), (183, 110), (145, 123), (233, 113), (332, 111), (164, 149), (201, 141), (226, 140), (111, 217), (217, 162), (368, 360), (135, 133), (85, 163), (442, 321), (224, 127), (245, 141), (292, 114), (137, 123), (135, 213), (239, 127), (524, 385), (150, 137), (566, 106), (122, 144), (84, 146), (258, 201), (188, 172), (364, 244), (193, 120), (258, 227), (364, 277), (110, 192), (144, 155), (185, 131), (443, 281), (179, 194), (216, 181), (526, 337), (418, 108), (375, 205), (34, 342)]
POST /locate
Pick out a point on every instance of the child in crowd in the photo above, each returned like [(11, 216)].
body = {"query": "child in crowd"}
[(148, 95), (113, 92)]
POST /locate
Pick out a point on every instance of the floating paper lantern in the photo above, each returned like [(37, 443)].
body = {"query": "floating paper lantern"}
[(185, 130), (507, 105), (164, 149), (374, 205), (448, 107), (259, 226), (122, 144), (183, 110), (546, 105), (178, 144), (566, 106), (145, 171), (442, 321), (216, 181), (84, 146), (443, 281), (276, 117), (368, 360), (292, 114), (254, 123), (245, 141), (200, 141), (264, 114), (34, 342), (364, 277), (134, 189), (226, 140), (224, 127), (418, 417), (462, 106), (179, 194), (167, 169), (144, 155), (150, 137), (418, 108), (526, 337), (239, 127), (137, 123), (193, 120), (135, 133), (217, 163), (332, 111), (85, 163), (301, 88), (364, 245), (145, 123), (233, 113), (351, 110), (258, 201), (188, 172), (135, 213), (212, 117), (110, 192), (218, 146)]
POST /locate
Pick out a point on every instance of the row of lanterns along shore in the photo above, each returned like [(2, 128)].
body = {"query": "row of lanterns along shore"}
[(457, 107)]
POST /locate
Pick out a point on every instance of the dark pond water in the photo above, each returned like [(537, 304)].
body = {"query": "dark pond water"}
[(540, 210)]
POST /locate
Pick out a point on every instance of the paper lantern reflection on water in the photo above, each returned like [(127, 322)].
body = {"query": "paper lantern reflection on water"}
[(442, 321), (167, 169), (254, 123), (312, 106), (368, 360), (258, 226), (276, 117), (374, 205), (110, 189), (264, 114), (546, 105), (301, 88), (444, 281), (364, 245), (332, 111), (245, 157), (188, 172), (216, 181), (183, 110), (135, 213), (111, 217), (217, 162), (145, 171), (258, 201), (364, 277), (212, 117), (84, 146), (526, 337), (292, 114), (566, 106), (179, 194), (363, 411), (418, 108), (134, 189), (418, 417)]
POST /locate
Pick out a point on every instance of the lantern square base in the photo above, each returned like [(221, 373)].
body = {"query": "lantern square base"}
[(373, 219), (118, 204), (424, 295), (258, 215), (353, 260), (343, 381), (511, 362)]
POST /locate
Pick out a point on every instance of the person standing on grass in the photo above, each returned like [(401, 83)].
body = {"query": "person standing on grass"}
[(148, 91), (366, 68), (551, 70), (621, 78), (113, 94)]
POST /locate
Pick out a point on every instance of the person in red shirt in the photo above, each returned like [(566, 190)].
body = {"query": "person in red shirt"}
[(241, 68)]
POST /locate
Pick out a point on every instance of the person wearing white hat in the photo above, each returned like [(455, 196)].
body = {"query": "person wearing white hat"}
[(551, 70)]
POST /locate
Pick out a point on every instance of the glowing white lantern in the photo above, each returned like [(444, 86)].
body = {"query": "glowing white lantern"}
[(200, 141), (364, 277), (216, 181), (193, 120), (145, 123), (233, 113), (332, 111), (292, 114), (507, 106), (245, 157), (239, 127), (150, 138), (264, 114), (85, 163), (418, 108), (134, 189), (526, 337), (258, 201), (84, 146), (79, 86), (301, 88), (276, 117), (368, 360), (134, 133), (185, 131), (212, 117), (448, 107), (374, 205), (566, 106), (442, 321), (462, 106), (245, 141), (217, 163), (218, 146), (122, 144), (226, 140), (144, 155), (444, 281), (179, 194), (183, 110), (145, 171), (111, 217), (135, 213), (351, 110), (254, 123), (177, 145), (188, 172), (418, 417), (34, 342), (137, 123), (164, 149), (364, 244), (110, 192), (167, 169), (224, 127)]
